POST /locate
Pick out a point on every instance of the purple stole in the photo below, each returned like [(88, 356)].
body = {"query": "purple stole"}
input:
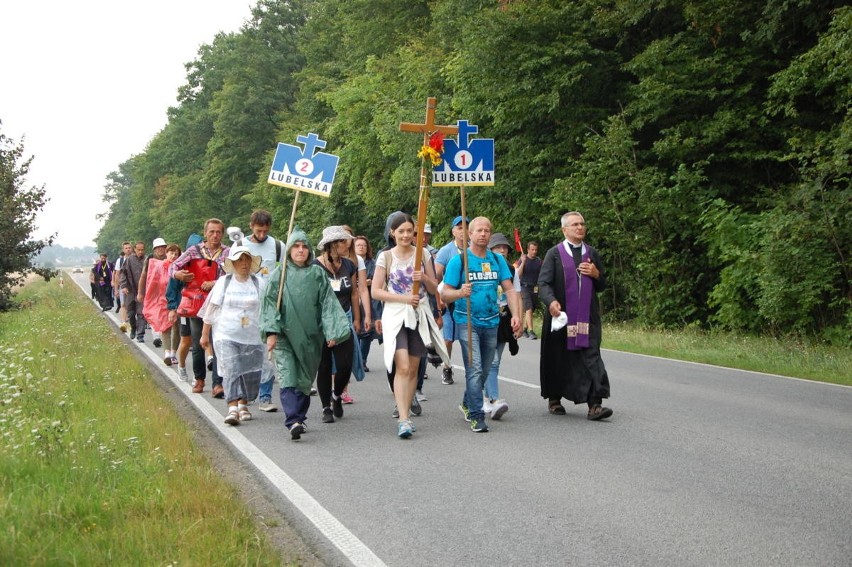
[(578, 300)]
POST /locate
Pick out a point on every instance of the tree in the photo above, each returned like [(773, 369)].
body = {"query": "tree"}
[(18, 207)]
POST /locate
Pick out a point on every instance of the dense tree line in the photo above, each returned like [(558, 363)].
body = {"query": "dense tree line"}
[(706, 141)]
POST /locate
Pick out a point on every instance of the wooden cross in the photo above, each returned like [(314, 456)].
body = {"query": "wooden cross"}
[(427, 129)]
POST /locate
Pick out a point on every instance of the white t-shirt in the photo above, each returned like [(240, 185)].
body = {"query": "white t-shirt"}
[(266, 251), (238, 316)]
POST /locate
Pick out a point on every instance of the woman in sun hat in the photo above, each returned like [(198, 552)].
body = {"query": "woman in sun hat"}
[(232, 312), (342, 274)]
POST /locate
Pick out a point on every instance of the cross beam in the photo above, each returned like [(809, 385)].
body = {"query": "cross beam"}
[(427, 128)]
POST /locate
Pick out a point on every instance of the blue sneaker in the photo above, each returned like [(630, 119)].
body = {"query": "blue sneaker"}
[(478, 425), (405, 429)]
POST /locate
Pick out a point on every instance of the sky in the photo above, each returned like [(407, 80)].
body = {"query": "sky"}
[(86, 85)]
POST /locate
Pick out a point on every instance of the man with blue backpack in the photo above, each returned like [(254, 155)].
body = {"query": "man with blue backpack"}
[(475, 293)]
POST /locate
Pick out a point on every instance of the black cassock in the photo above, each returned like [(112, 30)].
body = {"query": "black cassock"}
[(103, 285), (577, 375)]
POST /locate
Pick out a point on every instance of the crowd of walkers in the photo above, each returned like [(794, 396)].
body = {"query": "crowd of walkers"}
[(263, 311)]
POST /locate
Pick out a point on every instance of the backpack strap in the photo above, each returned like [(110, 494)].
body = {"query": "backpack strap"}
[(254, 280)]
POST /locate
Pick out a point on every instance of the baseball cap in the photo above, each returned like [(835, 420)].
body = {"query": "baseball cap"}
[(427, 228), (457, 221), (159, 242)]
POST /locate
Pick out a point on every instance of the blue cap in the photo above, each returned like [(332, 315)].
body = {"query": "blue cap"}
[(457, 221)]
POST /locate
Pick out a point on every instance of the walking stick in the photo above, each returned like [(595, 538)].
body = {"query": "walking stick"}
[(466, 280)]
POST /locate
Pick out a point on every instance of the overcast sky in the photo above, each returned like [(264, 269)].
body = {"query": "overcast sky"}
[(86, 85)]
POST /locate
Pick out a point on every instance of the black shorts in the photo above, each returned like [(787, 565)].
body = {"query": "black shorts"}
[(185, 330), (410, 340), (529, 295)]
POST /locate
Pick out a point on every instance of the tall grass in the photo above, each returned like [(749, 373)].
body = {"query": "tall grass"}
[(96, 468), (787, 357)]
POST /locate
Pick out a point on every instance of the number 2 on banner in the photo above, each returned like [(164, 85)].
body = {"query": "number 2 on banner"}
[(304, 166)]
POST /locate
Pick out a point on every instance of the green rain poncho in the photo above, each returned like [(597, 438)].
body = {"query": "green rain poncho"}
[(310, 314)]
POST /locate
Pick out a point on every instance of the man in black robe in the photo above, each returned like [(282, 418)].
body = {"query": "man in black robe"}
[(571, 366), (102, 273)]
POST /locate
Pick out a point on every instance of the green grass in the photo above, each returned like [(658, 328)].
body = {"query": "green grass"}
[(786, 357), (96, 468)]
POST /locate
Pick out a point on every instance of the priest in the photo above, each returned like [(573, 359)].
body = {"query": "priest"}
[(571, 366)]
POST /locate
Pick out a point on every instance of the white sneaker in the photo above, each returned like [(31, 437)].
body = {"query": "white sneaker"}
[(421, 397), (182, 373), (267, 406), (486, 405), (498, 408)]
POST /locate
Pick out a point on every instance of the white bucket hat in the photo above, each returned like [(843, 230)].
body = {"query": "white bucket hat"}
[(235, 254), (158, 242), (333, 233)]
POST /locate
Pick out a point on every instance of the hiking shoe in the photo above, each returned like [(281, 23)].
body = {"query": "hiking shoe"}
[(182, 375), (347, 399), (447, 376), (327, 415), (416, 408), (296, 431), (465, 412), (233, 417), (405, 431), (267, 406), (478, 426), (218, 391), (498, 408), (532, 336), (337, 406), (421, 397), (198, 386), (395, 412), (158, 342)]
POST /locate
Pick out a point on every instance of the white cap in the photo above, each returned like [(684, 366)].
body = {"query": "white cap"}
[(427, 228), (159, 242)]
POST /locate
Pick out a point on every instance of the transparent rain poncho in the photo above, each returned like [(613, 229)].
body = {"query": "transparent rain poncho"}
[(232, 309)]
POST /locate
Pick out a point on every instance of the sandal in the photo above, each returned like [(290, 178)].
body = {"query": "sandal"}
[(233, 417), (598, 412), (245, 415), (556, 407)]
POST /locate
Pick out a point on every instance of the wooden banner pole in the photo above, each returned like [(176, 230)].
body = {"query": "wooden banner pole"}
[(466, 278), (284, 260)]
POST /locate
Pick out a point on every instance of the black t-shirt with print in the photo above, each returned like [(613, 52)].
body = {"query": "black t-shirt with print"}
[(342, 282)]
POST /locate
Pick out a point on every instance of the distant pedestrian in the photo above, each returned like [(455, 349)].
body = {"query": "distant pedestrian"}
[(131, 273), (529, 267)]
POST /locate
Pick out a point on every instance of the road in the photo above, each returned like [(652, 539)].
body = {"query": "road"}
[(700, 465)]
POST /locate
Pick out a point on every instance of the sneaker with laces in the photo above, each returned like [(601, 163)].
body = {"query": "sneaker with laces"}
[(465, 412), (337, 406), (486, 405), (327, 415), (525, 334), (421, 397), (478, 426), (498, 408), (404, 429), (233, 417), (395, 412), (532, 336), (447, 376), (182, 375), (416, 408), (267, 406), (347, 399), (296, 431)]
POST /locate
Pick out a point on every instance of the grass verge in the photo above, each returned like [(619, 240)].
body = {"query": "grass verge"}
[(787, 357), (92, 472)]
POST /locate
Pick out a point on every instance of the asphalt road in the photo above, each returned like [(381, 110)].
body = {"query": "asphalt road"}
[(700, 465)]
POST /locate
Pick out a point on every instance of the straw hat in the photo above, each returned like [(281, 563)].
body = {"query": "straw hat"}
[(333, 233), (235, 254)]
